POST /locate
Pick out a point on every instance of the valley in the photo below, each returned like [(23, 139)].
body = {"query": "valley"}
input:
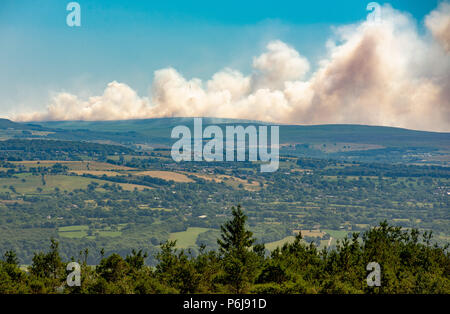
[(118, 195)]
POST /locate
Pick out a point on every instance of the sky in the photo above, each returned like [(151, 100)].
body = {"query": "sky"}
[(305, 62)]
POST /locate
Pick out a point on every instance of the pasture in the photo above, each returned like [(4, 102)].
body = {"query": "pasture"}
[(186, 239)]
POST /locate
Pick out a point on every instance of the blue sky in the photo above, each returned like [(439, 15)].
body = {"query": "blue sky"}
[(128, 40)]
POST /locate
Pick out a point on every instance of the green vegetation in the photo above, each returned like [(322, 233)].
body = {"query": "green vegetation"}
[(73, 231), (188, 238), (29, 184), (85, 232), (409, 263), (123, 192), (273, 245), (133, 210)]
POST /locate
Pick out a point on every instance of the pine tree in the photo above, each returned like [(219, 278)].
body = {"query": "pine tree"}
[(239, 262), (234, 235)]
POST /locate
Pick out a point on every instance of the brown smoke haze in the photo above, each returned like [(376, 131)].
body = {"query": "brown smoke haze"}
[(376, 73)]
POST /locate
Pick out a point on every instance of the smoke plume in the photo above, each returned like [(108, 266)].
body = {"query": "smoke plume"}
[(377, 73)]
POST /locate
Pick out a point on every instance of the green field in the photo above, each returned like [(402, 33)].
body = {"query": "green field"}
[(73, 228), (26, 183), (273, 245), (186, 239), (336, 234)]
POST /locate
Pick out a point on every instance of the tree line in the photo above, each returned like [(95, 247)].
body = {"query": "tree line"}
[(409, 263)]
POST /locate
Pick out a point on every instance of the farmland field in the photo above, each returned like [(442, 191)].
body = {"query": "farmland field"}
[(186, 239), (273, 245)]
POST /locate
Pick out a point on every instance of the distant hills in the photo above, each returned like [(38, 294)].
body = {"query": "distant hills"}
[(313, 140), (5, 124)]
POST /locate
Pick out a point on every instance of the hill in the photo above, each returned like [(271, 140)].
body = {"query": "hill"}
[(337, 141), (160, 127)]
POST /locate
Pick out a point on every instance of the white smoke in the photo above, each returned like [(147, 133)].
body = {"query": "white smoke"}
[(278, 65), (438, 22), (374, 73), (118, 101)]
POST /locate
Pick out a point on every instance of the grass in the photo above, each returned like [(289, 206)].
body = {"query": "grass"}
[(73, 228), (186, 239), (337, 234), (73, 234), (31, 183), (273, 245), (63, 182), (131, 186)]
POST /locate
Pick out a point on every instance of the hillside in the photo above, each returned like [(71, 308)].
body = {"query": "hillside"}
[(350, 142), (161, 127)]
